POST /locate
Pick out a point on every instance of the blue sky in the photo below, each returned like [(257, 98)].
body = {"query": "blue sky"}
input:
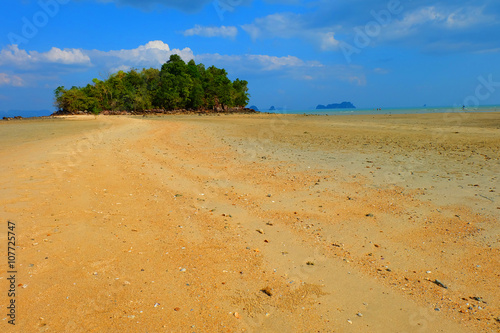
[(294, 53)]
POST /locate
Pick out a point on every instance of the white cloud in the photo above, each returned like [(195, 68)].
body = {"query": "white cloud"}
[(13, 56), (223, 31), (11, 80), (257, 62), (156, 53), (124, 68), (152, 54), (283, 25), (328, 41), (154, 45), (412, 22), (290, 67), (447, 26), (422, 16), (291, 25), (426, 21), (466, 17), (66, 56), (269, 63)]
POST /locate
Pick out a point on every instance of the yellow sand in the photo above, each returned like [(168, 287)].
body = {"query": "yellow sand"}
[(177, 224)]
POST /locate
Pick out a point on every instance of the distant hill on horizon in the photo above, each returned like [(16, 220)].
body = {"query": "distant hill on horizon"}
[(343, 105)]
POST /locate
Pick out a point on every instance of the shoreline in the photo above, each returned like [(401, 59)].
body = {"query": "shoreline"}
[(257, 113), (311, 112)]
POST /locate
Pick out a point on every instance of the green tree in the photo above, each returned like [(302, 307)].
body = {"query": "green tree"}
[(240, 93), (176, 85)]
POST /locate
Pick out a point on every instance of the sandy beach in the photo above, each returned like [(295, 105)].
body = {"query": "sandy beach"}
[(253, 223)]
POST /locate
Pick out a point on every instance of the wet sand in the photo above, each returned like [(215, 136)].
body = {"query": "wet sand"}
[(253, 223)]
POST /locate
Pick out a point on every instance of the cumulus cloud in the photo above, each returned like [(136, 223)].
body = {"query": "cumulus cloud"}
[(66, 56), (328, 41), (12, 55), (11, 80), (152, 54), (223, 31)]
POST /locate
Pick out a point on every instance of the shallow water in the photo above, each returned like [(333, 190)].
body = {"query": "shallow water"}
[(422, 110)]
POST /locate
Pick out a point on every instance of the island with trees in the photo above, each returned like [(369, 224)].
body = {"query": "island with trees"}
[(175, 88), (343, 105)]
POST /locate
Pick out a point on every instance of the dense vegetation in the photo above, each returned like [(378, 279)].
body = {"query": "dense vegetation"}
[(176, 86)]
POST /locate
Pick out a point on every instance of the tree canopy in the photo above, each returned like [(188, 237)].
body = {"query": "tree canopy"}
[(175, 86)]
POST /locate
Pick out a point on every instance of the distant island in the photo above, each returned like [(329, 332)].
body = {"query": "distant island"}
[(279, 108), (343, 105), (253, 107), (177, 87)]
